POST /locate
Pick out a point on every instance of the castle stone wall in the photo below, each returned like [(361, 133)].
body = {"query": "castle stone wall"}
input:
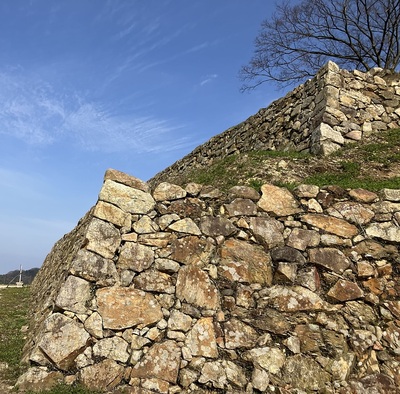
[(319, 116), (195, 291)]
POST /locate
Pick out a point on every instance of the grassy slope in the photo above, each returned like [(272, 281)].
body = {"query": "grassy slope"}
[(373, 164)]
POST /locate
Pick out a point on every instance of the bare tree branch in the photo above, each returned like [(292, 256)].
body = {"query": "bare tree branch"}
[(298, 39)]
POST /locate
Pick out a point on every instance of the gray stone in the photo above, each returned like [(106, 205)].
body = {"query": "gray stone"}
[(114, 348), (74, 295), (102, 238), (135, 257), (167, 191)]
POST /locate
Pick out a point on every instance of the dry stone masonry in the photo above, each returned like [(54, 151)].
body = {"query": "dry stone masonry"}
[(334, 108), (189, 290)]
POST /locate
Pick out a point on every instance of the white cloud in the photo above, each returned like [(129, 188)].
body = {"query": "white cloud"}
[(31, 111), (208, 78)]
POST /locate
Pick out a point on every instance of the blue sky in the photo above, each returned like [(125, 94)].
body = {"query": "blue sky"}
[(87, 85)]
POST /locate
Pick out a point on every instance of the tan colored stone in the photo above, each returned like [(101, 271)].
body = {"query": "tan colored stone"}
[(192, 250), (145, 225), (128, 199), (244, 262), (111, 213), (103, 238), (105, 375), (201, 339), (302, 239), (114, 348), (362, 195), (122, 307), (306, 191), (63, 339), (94, 325), (268, 231), (386, 231), (159, 239), (390, 194), (37, 379), (344, 290), (74, 295), (213, 372), (179, 321), (125, 179), (244, 192), (94, 268), (162, 361), (278, 201), (154, 281), (241, 207), (295, 298), (186, 225), (195, 287), (168, 191), (332, 225), (271, 359), (239, 335), (135, 257), (354, 212)]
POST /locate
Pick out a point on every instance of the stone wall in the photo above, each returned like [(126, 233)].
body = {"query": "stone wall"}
[(194, 291), (335, 107)]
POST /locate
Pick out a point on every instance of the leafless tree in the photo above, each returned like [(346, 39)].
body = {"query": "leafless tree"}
[(300, 38)]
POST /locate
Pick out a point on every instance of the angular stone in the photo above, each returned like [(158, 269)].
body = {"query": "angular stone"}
[(201, 339), (365, 269), (244, 192), (94, 325), (302, 239), (63, 339), (179, 321), (74, 295), (192, 250), (285, 272), (37, 379), (271, 359), (288, 254), (394, 307), (122, 307), (193, 189), (362, 195), (241, 207), (135, 257), (244, 262), (128, 199), (386, 231), (238, 335), (234, 373), (304, 373), (111, 213), (195, 287), (162, 361), (377, 383), (114, 348), (159, 239), (278, 201), (306, 191), (94, 268), (186, 225), (125, 179), (105, 375), (332, 225), (370, 248), (354, 212), (390, 194), (145, 225), (309, 277), (330, 258), (344, 290), (294, 299), (167, 265), (216, 226), (167, 191), (260, 379), (267, 231), (214, 373), (103, 238), (154, 281)]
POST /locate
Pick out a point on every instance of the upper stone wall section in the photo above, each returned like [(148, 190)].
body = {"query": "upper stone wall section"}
[(335, 107)]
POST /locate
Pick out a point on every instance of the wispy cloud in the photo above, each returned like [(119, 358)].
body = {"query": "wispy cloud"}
[(33, 111), (208, 78)]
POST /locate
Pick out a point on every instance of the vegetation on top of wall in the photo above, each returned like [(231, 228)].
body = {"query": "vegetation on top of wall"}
[(373, 164)]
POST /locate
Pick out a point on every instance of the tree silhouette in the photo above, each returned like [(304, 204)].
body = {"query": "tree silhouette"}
[(300, 38)]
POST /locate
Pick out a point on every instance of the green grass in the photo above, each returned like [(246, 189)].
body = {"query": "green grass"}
[(382, 150), (13, 315)]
